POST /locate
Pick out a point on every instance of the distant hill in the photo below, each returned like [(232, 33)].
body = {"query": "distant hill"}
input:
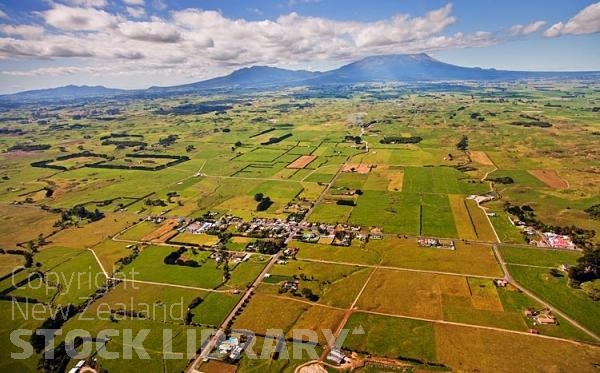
[(63, 93), (248, 77), (384, 68)]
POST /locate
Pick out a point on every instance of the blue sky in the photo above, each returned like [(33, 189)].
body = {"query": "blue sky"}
[(141, 43)]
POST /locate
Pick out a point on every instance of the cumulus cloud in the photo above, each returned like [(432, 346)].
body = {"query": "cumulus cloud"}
[(78, 19), (134, 2), (587, 21), (136, 12), (193, 42), (3, 14), (527, 29), (24, 31), (89, 3), (156, 31)]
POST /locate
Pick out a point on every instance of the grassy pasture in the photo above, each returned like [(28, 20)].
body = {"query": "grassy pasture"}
[(538, 257), (468, 349), (555, 291), (393, 212), (438, 220), (462, 218), (30, 220), (149, 266), (471, 259), (392, 337)]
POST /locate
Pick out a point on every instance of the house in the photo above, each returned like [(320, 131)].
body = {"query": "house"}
[(376, 234), (336, 356), (545, 317), (501, 282), (229, 345)]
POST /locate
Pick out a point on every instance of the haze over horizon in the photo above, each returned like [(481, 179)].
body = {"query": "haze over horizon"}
[(142, 43)]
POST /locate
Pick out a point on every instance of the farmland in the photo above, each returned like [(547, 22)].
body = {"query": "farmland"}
[(286, 213)]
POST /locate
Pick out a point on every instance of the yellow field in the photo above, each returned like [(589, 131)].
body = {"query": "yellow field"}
[(267, 312), (473, 259), (481, 158), (462, 218), (199, 239), (109, 252), (317, 318), (93, 233), (482, 224), (467, 349), (9, 262), (396, 179), (410, 293), (30, 221)]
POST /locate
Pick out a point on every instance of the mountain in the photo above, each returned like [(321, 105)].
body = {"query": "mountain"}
[(68, 92), (248, 77), (383, 68), (408, 67)]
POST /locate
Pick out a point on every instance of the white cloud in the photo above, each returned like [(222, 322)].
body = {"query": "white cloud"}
[(587, 21), (136, 12), (78, 19), (3, 14), (159, 4), (89, 3), (24, 31), (134, 2), (199, 43), (156, 31), (527, 29)]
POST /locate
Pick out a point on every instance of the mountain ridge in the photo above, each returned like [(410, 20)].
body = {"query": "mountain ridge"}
[(379, 68)]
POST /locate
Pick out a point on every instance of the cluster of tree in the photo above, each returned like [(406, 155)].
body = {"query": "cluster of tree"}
[(129, 258), (269, 247), (594, 211), (155, 202), (477, 116), (345, 202), (122, 144), (193, 109), (79, 212), (503, 180), (308, 294), (190, 148), (47, 163), (401, 140), (262, 132), (587, 271), (355, 139), (11, 131), (55, 321), (169, 140), (522, 123), (264, 202), (463, 144), (120, 135), (174, 258), (275, 140), (28, 255), (28, 147), (61, 359), (176, 160)]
